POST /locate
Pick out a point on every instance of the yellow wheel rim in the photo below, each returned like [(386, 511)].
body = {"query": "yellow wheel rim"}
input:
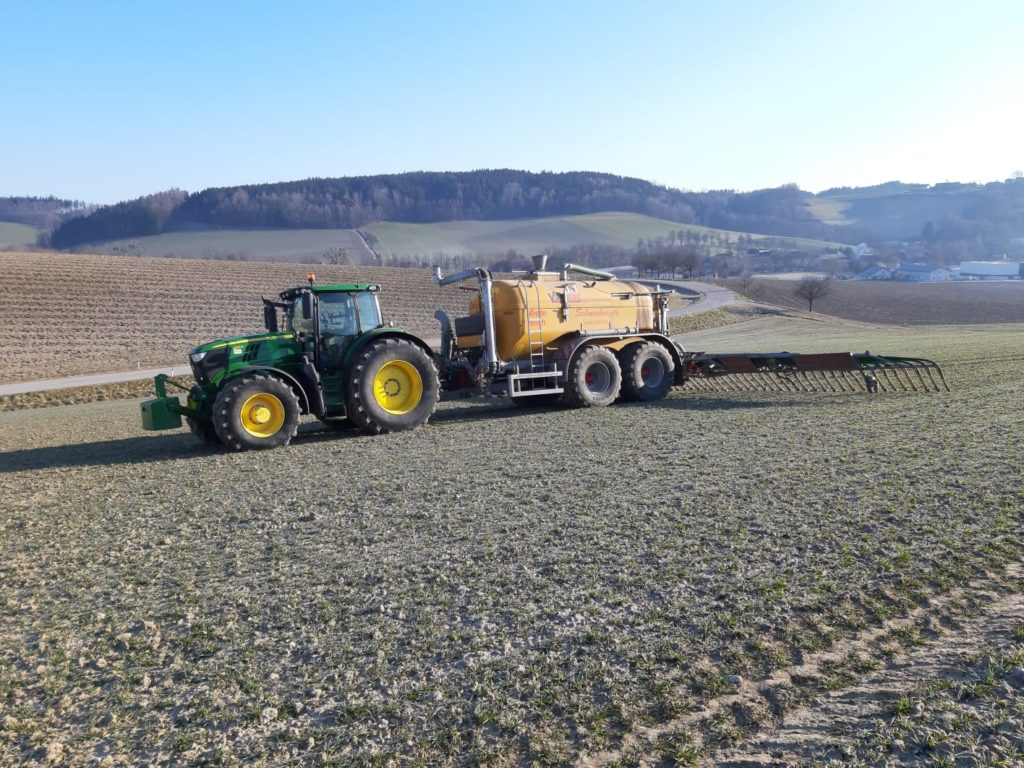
[(262, 415), (398, 387)]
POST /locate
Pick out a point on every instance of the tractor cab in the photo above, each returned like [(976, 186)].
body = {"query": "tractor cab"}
[(326, 319)]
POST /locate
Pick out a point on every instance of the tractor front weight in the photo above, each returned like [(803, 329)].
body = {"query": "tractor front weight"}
[(164, 411)]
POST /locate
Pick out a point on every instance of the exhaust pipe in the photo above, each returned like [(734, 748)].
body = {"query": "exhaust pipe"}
[(540, 262), (586, 271), (486, 308)]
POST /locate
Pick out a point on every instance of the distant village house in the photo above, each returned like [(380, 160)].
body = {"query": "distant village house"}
[(875, 272), (922, 273)]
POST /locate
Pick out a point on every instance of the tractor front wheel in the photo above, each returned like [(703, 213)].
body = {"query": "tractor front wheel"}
[(256, 411), (392, 386), (594, 378)]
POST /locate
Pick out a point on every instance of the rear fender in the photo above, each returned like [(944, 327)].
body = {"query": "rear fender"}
[(354, 349)]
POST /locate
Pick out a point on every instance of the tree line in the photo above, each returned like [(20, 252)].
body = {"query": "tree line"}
[(426, 197), (41, 212)]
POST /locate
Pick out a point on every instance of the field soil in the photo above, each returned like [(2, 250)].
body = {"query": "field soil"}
[(514, 586), (898, 303)]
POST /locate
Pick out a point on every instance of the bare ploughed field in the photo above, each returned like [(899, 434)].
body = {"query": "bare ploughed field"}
[(901, 303), (637, 585), (68, 314)]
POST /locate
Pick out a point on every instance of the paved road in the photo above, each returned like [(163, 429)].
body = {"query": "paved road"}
[(92, 380), (711, 296)]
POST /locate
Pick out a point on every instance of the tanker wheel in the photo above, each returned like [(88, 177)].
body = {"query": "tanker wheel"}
[(203, 431), (537, 401), (256, 411), (647, 371), (392, 386), (594, 378)]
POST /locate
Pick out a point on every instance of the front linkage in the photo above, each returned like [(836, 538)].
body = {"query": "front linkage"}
[(165, 411)]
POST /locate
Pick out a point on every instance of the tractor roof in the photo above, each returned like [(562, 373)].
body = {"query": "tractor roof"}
[(372, 287), (291, 293)]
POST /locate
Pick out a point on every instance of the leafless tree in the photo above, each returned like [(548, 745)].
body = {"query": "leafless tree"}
[(811, 288)]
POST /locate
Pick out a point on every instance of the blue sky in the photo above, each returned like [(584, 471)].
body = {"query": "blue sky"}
[(104, 101)]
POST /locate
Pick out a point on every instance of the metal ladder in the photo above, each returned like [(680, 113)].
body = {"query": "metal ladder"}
[(538, 373)]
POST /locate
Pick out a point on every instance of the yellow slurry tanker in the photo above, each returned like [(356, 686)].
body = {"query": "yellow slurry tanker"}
[(548, 337), (575, 337)]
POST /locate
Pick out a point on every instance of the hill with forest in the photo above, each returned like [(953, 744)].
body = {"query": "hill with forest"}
[(427, 197), (954, 221)]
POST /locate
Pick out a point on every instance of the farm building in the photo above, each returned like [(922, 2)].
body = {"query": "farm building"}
[(922, 273), (875, 272), (991, 269)]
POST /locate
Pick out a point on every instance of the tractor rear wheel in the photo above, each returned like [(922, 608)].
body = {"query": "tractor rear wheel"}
[(203, 431), (647, 370), (392, 386), (594, 378), (256, 411)]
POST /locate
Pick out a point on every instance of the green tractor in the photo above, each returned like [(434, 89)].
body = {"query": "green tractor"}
[(335, 358)]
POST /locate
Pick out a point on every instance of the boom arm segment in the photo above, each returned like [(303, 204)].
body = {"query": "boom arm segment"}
[(827, 372)]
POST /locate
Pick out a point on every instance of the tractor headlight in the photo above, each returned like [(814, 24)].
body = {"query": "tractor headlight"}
[(197, 357)]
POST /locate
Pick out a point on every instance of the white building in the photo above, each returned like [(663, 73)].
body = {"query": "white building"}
[(990, 269)]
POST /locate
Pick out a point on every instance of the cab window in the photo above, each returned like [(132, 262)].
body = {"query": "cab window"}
[(296, 322), (338, 314), (369, 312)]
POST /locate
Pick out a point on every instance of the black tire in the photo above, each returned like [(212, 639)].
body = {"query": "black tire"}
[(537, 401), (203, 431), (266, 392), (367, 408), (647, 371), (594, 378)]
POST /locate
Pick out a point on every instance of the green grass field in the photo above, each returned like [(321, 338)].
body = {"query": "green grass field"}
[(12, 234), (526, 236), (279, 245), (537, 235)]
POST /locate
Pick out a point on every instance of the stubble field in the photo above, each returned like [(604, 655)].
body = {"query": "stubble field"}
[(506, 586)]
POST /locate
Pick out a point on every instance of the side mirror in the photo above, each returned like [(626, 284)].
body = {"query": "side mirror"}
[(270, 317), (307, 306)]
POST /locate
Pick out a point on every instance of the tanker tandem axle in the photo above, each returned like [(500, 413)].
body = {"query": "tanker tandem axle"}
[(539, 338)]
